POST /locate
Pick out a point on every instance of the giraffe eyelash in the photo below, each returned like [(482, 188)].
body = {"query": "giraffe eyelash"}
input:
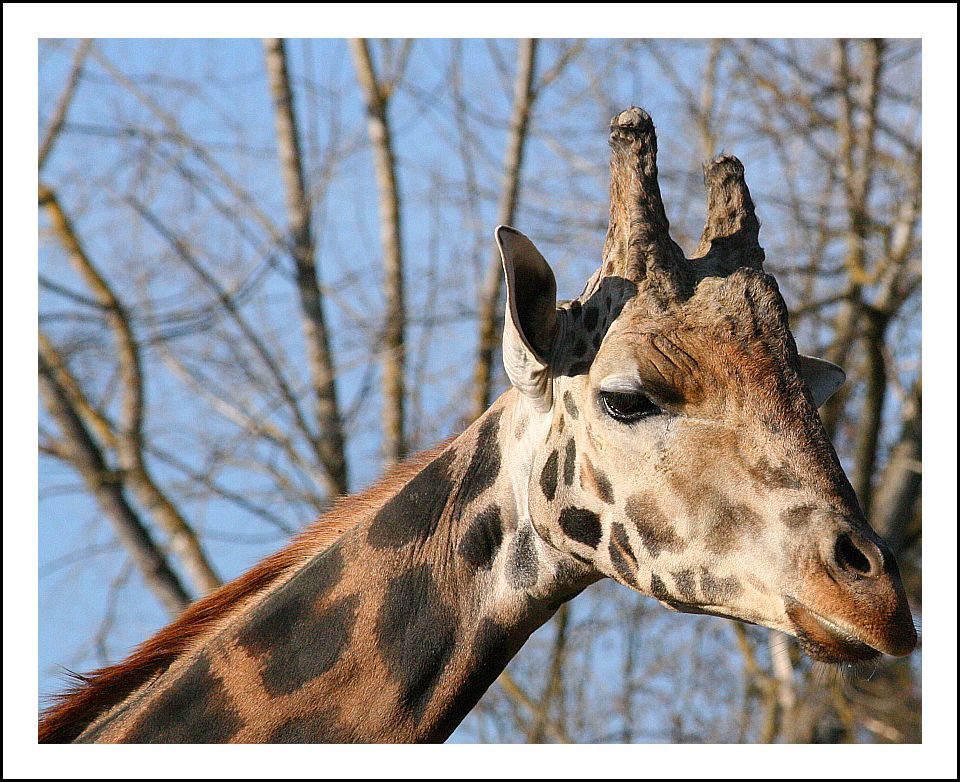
[(628, 406)]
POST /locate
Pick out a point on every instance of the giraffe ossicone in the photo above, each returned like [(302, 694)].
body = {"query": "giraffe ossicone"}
[(661, 430)]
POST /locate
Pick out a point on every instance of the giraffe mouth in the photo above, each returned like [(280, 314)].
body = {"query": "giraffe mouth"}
[(824, 640)]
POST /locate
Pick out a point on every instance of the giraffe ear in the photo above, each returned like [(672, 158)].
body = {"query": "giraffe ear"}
[(530, 324), (823, 378)]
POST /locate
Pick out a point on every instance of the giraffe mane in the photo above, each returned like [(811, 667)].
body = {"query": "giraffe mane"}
[(91, 695)]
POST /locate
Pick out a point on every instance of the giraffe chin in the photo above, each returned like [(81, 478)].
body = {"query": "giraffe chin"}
[(825, 641)]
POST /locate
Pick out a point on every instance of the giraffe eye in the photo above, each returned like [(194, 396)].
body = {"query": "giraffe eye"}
[(628, 407)]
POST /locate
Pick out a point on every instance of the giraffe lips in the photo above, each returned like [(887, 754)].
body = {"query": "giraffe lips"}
[(825, 640)]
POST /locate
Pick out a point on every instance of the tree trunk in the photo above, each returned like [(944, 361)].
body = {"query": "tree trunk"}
[(376, 98), (330, 438), (490, 316)]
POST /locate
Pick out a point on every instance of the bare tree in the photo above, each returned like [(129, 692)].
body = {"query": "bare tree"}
[(490, 315), (125, 437), (105, 484), (176, 257), (376, 92), (330, 438)]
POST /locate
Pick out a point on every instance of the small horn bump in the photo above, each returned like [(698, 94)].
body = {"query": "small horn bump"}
[(731, 235), (634, 117), (632, 125)]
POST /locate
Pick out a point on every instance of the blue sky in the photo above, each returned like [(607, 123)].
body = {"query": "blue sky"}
[(447, 255)]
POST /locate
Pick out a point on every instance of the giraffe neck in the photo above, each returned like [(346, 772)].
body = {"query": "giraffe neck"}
[(393, 633)]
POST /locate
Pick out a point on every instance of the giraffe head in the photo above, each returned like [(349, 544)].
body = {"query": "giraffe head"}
[(676, 445)]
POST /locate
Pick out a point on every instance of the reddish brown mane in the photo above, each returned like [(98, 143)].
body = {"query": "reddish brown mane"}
[(95, 693)]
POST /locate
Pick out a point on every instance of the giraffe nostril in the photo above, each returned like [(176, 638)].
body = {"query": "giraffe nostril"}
[(856, 555)]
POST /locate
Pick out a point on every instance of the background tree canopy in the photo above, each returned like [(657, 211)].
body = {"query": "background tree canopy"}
[(267, 270)]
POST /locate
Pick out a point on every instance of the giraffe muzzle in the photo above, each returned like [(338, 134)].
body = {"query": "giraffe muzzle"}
[(852, 605)]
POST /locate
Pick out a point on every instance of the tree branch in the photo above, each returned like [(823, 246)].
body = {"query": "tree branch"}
[(299, 216), (378, 125), (489, 315), (899, 487), (515, 692), (554, 683), (129, 435), (106, 486), (63, 105)]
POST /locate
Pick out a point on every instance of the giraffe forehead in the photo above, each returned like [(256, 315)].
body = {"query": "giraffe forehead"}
[(708, 361), (741, 309), (727, 346)]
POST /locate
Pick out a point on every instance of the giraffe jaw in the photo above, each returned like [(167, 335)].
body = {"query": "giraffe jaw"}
[(824, 640), (721, 612)]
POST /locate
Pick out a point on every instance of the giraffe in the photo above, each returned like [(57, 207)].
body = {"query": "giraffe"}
[(660, 430)]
